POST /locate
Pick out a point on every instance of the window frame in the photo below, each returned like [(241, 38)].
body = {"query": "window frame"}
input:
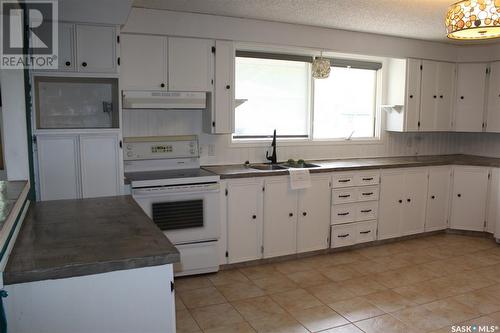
[(342, 60)]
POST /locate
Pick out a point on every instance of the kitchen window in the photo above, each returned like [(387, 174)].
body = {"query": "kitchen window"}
[(277, 91)]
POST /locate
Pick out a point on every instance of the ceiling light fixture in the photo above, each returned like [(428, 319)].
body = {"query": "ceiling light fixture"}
[(320, 67), (473, 19)]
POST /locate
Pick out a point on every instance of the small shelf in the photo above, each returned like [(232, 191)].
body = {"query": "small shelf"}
[(392, 107)]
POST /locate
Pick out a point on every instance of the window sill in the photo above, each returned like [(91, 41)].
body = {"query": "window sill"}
[(304, 142)]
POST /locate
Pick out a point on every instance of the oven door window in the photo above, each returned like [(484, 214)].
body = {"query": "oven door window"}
[(176, 215)]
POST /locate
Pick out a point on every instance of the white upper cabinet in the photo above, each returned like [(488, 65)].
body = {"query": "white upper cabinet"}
[(438, 198), (436, 96), (469, 196), (244, 220), (190, 64), (412, 105), (66, 57), (143, 62), (314, 215), (96, 48), (470, 97), (493, 108)]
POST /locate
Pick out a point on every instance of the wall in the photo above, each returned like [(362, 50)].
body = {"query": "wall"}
[(150, 122)]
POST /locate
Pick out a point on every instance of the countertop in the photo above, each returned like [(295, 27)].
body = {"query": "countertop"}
[(68, 238), (10, 191), (241, 171)]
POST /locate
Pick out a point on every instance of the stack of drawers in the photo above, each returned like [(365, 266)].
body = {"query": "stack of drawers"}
[(354, 207)]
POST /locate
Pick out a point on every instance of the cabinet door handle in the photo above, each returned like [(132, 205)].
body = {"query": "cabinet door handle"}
[(366, 210), (462, 97), (440, 96), (409, 200), (344, 180), (411, 96), (84, 64), (459, 195), (304, 214), (162, 85), (344, 196), (343, 214), (433, 197), (254, 217), (343, 236), (290, 214), (367, 193), (67, 63), (400, 201), (367, 179), (434, 96), (365, 232), (228, 87)]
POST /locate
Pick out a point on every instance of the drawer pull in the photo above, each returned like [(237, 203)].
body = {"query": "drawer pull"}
[(368, 193), (365, 232), (344, 180), (343, 214), (368, 179), (366, 210), (344, 196), (343, 236)]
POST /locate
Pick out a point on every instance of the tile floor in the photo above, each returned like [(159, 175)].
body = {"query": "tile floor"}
[(419, 285)]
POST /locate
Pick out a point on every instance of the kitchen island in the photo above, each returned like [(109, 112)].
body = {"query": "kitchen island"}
[(90, 265)]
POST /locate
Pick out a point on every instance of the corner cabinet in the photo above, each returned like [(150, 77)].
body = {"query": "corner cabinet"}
[(493, 100), (72, 166)]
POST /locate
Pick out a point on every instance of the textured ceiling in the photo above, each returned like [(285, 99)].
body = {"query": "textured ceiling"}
[(420, 19)]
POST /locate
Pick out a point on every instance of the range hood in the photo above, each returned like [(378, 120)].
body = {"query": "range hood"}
[(164, 100)]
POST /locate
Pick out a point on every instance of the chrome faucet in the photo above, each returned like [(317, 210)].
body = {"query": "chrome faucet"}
[(273, 157)]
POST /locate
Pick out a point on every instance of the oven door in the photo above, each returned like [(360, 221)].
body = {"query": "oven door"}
[(186, 213)]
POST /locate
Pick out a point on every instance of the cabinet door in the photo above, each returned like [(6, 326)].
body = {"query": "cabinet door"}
[(469, 99), (493, 111), (190, 64), (100, 166), (224, 88), (280, 218), (66, 39), (58, 167), (96, 48), (412, 108), (244, 221), (470, 187), (446, 87), (314, 215), (438, 198), (391, 203), (414, 202), (493, 218), (143, 62)]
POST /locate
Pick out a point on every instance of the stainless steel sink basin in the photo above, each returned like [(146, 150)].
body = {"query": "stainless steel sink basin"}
[(305, 165), (267, 166)]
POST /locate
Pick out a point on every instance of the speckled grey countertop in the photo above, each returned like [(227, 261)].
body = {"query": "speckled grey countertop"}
[(68, 238), (241, 171), (10, 191)]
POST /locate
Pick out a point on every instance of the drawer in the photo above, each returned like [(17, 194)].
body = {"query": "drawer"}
[(366, 211), (344, 195), (367, 193), (366, 231), (343, 235), (367, 178), (344, 213), (340, 180)]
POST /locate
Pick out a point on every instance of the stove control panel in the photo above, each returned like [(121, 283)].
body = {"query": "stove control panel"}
[(160, 147)]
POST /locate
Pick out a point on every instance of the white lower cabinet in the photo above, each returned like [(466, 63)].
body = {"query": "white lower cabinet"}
[(244, 220), (74, 166), (438, 198), (402, 202), (469, 196), (353, 233)]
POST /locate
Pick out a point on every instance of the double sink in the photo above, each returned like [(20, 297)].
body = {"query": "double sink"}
[(280, 166)]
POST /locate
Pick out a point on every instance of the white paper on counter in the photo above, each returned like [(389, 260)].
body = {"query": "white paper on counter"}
[(299, 178)]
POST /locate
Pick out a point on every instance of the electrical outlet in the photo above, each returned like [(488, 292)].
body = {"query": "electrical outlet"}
[(211, 150)]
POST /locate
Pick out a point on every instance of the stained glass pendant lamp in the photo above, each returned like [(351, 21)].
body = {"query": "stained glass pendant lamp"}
[(473, 20), (320, 67)]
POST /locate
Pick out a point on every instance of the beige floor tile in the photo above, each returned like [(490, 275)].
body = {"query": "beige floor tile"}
[(414, 257), (192, 282), (452, 310), (381, 250), (420, 293), (362, 286), (485, 257), (368, 267), (350, 328), (481, 321), (276, 284), (389, 301), (288, 267), (179, 304), (298, 299), (319, 318), (495, 316), (308, 278), (330, 292), (259, 272), (255, 308), (185, 323), (343, 258), (384, 324), (356, 309), (339, 273), (201, 297), (227, 277), (392, 262), (216, 316), (481, 300), (404, 276), (493, 272), (234, 328), (240, 290), (444, 267), (280, 323)]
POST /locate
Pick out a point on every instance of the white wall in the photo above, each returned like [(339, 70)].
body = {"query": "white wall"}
[(150, 122)]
